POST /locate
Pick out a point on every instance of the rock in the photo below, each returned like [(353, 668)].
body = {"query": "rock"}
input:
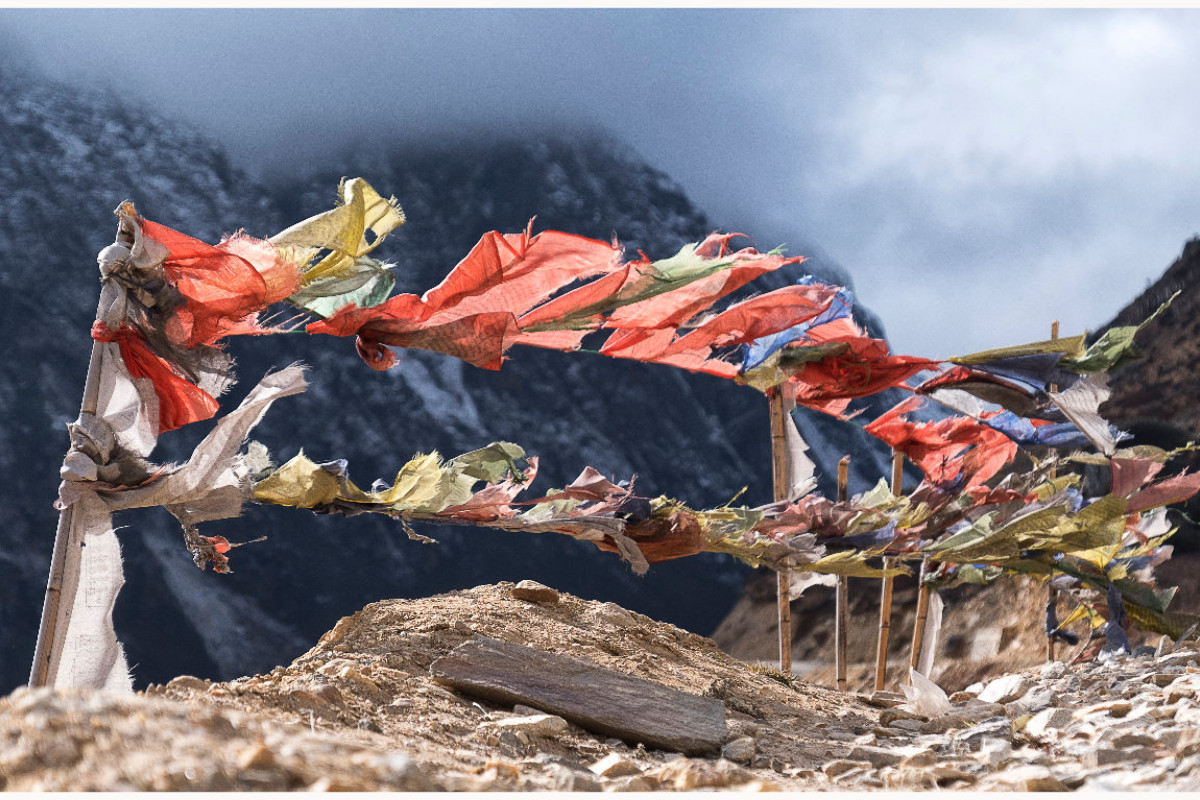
[(599, 699), (912, 725), (876, 756), (1114, 708), (978, 709), (630, 783), (1187, 715), (543, 725), (973, 737), (884, 699), (685, 774), (890, 733), (944, 775), (403, 774), (1189, 743), (535, 592), (327, 784), (568, 779), (1053, 670), (921, 758), (740, 750), (888, 716), (257, 756), (189, 682), (1188, 766), (758, 785), (615, 765), (951, 721), (1182, 659), (612, 614), (994, 750), (841, 766), (1096, 757), (1115, 737), (1035, 700), (1167, 737), (1005, 689), (1028, 778), (1177, 691), (1048, 722), (349, 672)]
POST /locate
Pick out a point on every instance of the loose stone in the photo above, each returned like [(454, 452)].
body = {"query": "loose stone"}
[(615, 765), (535, 592), (1047, 722), (740, 750), (1006, 689)]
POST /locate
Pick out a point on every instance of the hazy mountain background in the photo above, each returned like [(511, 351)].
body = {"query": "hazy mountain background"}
[(71, 155)]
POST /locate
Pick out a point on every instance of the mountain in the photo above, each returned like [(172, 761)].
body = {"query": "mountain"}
[(71, 156), (1155, 397), (1163, 385)]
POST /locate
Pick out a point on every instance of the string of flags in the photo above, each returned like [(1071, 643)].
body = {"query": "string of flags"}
[(162, 346)]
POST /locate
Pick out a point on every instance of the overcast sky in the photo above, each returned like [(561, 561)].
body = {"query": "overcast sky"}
[(978, 173)]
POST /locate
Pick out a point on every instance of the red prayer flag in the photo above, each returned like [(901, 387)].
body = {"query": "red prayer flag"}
[(179, 401), (224, 287)]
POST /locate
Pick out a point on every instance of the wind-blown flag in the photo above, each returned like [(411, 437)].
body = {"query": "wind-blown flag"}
[(552, 288), (948, 451)]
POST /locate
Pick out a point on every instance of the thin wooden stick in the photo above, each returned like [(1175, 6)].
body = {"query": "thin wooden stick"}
[(922, 613), (67, 556), (781, 405), (842, 612), (1051, 593), (885, 599)]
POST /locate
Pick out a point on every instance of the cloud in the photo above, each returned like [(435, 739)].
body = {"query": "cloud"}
[(986, 159), (1034, 101), (1011, 171)]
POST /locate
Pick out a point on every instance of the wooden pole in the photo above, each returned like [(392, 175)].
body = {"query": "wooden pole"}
[(62, 582), (1051, 593), (842, 618), (885, 599), (922, 613), (781, 405)]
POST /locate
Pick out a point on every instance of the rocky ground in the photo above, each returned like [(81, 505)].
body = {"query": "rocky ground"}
[(361, 711)]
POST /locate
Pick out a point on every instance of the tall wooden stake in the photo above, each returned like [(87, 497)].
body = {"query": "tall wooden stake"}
[(842, 618), (781, 404), (63, 581), (885, 599), (922, 613), (1051, 593)]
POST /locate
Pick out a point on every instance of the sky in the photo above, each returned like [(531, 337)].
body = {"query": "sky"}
[(979, 174)]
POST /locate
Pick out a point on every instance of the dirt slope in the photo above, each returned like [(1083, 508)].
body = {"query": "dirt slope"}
[(360, 711)]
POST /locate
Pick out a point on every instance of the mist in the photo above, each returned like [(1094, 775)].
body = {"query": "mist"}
[(978, 173)]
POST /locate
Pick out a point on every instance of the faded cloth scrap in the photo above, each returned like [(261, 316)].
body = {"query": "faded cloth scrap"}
[(213, 484)]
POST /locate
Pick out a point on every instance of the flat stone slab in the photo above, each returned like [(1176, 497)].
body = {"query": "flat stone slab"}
[(593, 697)]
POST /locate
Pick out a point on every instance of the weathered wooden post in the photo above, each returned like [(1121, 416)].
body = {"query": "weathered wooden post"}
[(918, 636), (842, 610), (885, 599), (1051, 592), (62, 584), (781, 405)]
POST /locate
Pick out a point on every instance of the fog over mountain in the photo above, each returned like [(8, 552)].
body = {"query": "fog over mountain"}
[(981, 172)]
